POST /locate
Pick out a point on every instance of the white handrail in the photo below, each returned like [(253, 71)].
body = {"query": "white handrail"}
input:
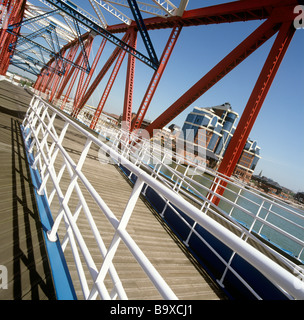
[(275, 273), (191, 183)]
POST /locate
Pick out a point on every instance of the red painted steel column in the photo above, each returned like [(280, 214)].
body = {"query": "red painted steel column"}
[(14, 15), (127, 110), (71, 85), (57, 77), (93, 67), (48, 79), (39, 81), (79, 61), (52, 79), (156, 78), (108, 88), (67, 78), (99, 77), (70, 55), (5, 4), (255, 103), (82, 73), (44, 79)]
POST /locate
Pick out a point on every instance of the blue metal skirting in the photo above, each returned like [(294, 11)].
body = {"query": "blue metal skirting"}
[(60, 273)]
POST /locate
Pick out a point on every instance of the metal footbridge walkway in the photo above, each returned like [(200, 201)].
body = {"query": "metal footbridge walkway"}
[(86, 216), (22, 244)]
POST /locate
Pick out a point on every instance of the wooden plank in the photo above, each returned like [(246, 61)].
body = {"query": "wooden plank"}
[(22, 249)]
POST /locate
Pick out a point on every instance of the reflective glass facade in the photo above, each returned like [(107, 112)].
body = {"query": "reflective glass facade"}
[(220, 124)]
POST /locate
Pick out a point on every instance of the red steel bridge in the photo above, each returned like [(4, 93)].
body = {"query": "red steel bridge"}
[(53, 40)]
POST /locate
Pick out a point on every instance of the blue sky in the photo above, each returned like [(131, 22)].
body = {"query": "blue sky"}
[(279, 126)]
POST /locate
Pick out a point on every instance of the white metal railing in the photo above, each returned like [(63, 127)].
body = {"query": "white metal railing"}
[(179, 182), (261, 202), (47, 144), (237, 197)]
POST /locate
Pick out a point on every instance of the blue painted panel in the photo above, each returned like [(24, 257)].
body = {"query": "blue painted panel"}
[(60, 273)]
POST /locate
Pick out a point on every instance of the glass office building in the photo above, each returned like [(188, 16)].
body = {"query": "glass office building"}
[(219, 123)]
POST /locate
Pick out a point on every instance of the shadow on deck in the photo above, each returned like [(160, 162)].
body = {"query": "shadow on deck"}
[(22, 249)]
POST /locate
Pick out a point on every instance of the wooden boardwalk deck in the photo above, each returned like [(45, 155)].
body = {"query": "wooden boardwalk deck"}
[(22, 248)]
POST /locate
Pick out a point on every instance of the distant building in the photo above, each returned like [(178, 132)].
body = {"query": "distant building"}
[(19, 79), (272, 187), (144, 122), (219, 124), (267, 184), (299, 197)]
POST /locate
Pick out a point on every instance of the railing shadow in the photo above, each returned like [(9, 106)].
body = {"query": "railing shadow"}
[(28, 244)]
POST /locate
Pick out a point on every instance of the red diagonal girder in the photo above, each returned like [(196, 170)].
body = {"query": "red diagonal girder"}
[(98, 78), (127, 110), (74, 72), (82, 72), (71, 56), (93, 67), (251, 111), (108, 88), (235, 57)]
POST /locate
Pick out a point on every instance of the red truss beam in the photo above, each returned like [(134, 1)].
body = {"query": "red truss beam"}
[(69, 45), (44, 71), (156, 78), (71, 56), (74, 71), (69, 72), (82, 73), (48, 78), (57, 77), (93, 67), (108, 88)]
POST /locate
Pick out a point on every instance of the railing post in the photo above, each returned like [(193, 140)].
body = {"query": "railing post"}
[(265, 219), (236, 200), (257, 214), (53, 158), (122, 226), (52, 233)]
